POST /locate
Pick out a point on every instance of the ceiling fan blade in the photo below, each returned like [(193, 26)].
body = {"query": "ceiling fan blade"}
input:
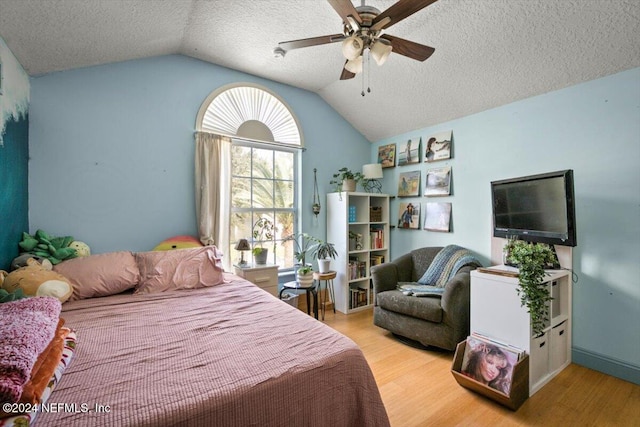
[(401, 10), (346, 9), (408, 48), (346, 74), (313, 41)]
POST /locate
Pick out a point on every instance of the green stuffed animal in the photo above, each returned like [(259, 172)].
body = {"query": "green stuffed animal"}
[(55, 249)]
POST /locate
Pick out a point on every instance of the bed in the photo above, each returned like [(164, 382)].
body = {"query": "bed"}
[(225, 355)]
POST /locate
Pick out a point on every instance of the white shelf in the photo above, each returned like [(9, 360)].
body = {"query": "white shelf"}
[(496, 311), (338, 228)]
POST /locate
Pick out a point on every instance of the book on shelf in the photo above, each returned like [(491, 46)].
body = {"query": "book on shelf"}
[(376, 236), (490, 362), (376, 260), (357, 269), (358, 297)]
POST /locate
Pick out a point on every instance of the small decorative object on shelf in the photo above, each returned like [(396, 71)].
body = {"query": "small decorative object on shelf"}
[(372, 174)]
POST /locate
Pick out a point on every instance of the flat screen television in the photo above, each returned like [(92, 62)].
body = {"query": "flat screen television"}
[(535, 208)]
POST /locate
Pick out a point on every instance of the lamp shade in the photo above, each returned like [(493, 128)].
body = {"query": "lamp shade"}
[(352, 47), (372, 171), (380, 51), (354, 65), (243, 245)]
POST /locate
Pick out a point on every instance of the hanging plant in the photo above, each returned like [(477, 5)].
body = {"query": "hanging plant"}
[(531, 260)]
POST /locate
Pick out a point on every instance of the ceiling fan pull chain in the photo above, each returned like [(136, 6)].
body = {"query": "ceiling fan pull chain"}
[(362, 93), (369, 72)]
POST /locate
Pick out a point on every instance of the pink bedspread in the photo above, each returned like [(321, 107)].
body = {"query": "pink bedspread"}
[(230, 355)]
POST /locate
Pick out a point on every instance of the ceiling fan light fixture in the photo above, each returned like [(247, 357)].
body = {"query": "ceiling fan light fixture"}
[(381, 50), (352, 47), (354, 65)]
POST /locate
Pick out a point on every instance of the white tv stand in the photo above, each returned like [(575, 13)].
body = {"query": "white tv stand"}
[(496, 311)]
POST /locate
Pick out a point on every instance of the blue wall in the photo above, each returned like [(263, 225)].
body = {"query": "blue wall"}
[(592, 128), (14, 155), (112, 149)]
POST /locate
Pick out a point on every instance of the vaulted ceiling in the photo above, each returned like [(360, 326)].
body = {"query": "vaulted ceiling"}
[(487, 52)]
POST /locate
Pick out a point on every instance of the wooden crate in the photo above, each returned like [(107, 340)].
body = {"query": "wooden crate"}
[(519, 385)]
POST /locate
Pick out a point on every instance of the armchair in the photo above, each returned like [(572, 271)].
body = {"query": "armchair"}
[(432, 321)]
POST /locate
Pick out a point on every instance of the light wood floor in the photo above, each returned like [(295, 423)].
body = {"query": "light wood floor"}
[(418, 388)]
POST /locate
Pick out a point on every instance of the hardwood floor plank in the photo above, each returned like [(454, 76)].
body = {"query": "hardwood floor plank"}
[(418, 389)]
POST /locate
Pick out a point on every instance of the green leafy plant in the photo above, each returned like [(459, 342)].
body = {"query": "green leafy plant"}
[(345, 173), (305, 269), (531, 260), (324, 250), (263, 230), (302, 245)]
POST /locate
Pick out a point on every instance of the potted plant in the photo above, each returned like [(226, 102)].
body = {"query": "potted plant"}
[(324, 252), (531, 260), (263, 230), (302, 246), (346, 180), (304, 275)]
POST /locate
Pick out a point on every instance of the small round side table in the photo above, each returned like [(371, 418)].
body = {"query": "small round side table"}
[(309, 289), (328, 288)]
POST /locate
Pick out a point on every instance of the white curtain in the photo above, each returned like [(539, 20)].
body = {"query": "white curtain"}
[(213, 190)]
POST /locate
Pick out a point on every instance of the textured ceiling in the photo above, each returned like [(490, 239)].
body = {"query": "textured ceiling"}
[(488, 52)]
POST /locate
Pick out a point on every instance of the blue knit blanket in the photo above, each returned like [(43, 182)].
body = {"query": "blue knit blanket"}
[(446, 264)]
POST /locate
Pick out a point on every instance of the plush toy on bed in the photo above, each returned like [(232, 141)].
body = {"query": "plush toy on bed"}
[(55, 249), (36, 280)]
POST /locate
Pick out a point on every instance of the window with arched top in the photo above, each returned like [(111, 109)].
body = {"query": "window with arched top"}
[(250, 112), (265, 158)]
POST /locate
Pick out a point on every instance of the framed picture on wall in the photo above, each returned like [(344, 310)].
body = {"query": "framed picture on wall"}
[(409, 152), (438, 182), (387, 155), (437, 216), (438, 147), (409, 216), (409, 184)]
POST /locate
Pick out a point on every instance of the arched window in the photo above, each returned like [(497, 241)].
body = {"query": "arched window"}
[(265, 157)]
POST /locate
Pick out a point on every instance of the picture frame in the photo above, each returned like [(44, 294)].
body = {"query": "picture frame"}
[(437, 216), (438, 147), (409, 151), (387, 155), (409, 216), (438, 182), (409, 184)]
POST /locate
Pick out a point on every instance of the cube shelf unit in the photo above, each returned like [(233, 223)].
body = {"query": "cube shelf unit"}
[(496, 311), (352, 212)]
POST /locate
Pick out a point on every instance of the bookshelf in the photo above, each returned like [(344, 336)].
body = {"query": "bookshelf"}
[(357, 214)]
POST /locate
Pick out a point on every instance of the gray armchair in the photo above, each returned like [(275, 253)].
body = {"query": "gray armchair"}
[(432, 321)]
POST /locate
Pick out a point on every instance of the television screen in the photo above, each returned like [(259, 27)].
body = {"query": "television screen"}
[(536, 208)]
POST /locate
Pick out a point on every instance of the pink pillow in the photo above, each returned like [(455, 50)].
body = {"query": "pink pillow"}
[(100, 275), (179, 269)]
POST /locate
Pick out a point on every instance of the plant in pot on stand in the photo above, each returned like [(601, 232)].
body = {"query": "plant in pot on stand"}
[(345, 180), (263, 230), (302, 247), (324, 252), (531, 260)]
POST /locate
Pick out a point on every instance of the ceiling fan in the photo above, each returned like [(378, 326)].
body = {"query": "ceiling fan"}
[(363, 29)]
